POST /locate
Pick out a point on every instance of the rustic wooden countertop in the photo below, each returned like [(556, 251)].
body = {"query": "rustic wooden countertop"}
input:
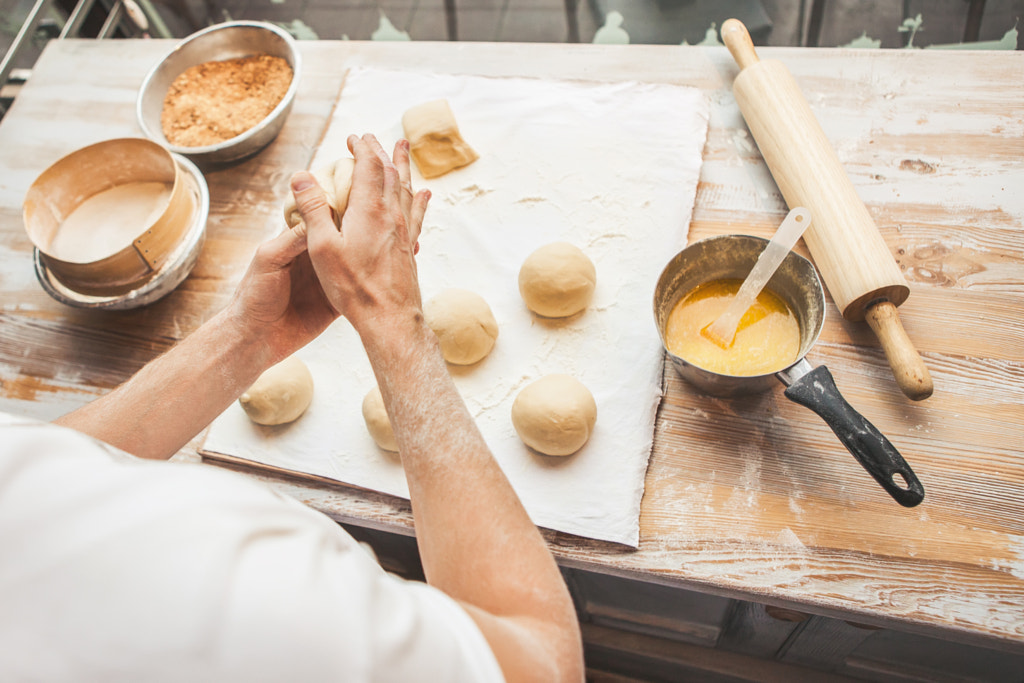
[(751, 498)]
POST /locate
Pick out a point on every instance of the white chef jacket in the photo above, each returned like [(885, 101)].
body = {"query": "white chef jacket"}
[(117, 569)]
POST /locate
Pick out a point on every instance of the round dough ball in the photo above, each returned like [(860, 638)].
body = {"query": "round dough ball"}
[(557, 280), (377, 422), (464, 325), (554, 415), (280, 395), (336, 182)]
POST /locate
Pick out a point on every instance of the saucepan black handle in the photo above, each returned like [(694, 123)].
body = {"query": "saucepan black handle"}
[(817, 391)]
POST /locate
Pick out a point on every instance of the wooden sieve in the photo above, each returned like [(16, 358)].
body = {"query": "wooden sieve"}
[(83, 174)]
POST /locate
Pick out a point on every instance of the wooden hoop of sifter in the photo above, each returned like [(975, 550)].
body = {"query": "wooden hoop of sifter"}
[(73, 179)]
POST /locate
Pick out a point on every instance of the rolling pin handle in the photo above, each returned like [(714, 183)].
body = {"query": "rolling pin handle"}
[(912, 375), (737, 39)]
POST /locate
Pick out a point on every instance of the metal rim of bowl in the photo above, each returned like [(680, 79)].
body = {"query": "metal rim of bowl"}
[(210, 150), (164, 281)]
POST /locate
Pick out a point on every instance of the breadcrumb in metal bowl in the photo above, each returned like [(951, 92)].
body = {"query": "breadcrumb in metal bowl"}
[(233, 40)]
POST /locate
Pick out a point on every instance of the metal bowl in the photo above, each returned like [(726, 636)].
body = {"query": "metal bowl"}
[(230, 40)]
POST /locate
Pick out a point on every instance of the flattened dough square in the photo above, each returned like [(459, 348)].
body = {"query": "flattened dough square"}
[(435, 143)]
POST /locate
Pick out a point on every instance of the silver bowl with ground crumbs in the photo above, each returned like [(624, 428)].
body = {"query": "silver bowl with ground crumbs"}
[(223, 93)]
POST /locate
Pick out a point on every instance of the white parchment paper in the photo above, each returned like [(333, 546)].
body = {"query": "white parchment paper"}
[(611, 168)]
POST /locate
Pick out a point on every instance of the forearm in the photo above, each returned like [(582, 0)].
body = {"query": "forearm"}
[(174, 397), (476, 541)]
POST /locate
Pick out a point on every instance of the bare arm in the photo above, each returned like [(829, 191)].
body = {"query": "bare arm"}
[(279, 307), (476, 541)]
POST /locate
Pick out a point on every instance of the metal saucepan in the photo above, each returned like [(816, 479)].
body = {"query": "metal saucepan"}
[(797, 282)]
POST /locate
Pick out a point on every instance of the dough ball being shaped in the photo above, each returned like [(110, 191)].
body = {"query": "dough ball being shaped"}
[(557, 280), (435, 143), (464, 325), (336, 182), (377, 422), (280, 395), (554, 415)]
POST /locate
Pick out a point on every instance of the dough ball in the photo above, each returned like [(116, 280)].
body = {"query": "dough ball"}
[(336, 182), (435, 143), (279, 395), (554, 415), (557, 280), (377, 422), (464, 325)]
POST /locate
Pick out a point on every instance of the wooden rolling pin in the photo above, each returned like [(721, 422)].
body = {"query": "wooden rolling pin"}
[(857, 266)]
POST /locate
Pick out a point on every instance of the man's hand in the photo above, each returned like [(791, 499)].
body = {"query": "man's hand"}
[(282, 303), (367, 269), (278, 307), (279, 301)]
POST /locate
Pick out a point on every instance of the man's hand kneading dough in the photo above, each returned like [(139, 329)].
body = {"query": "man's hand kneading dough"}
[(476, 541)]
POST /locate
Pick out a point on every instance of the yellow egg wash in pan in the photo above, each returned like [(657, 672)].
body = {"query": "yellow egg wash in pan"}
[(767, 339)]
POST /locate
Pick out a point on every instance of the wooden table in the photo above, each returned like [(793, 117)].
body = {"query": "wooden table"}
[(748, 498)]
